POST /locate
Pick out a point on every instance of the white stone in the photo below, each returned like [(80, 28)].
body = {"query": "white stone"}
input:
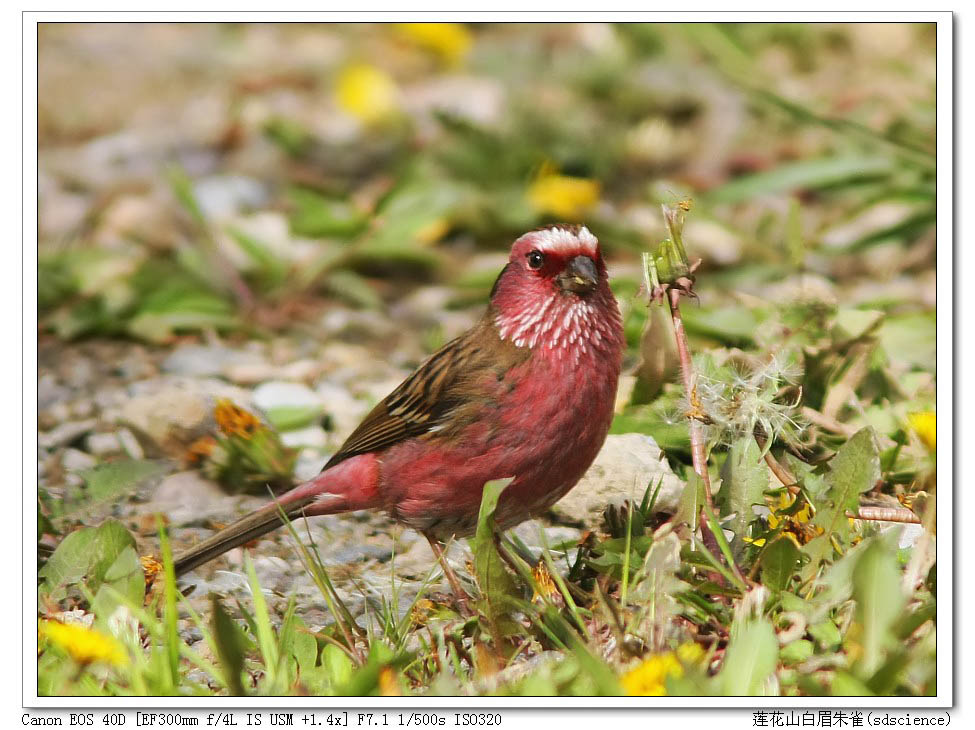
[(625, 466)]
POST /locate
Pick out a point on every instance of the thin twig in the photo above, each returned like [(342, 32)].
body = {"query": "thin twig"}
[(698, 455), (687, 375), (886, 514), (830, 424), (881, 514)]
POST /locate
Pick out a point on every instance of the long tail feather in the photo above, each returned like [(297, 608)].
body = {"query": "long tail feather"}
[(236, 534)]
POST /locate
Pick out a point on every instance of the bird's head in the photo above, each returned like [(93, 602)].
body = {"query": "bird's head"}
[(554, 289), (562, 260)]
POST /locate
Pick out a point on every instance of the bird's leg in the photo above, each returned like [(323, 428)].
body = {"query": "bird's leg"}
[(459, 593)]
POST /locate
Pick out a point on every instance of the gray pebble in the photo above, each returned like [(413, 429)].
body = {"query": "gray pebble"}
[(130, 444), (360, 553), (75, 460), (65, 433), (100, 444)]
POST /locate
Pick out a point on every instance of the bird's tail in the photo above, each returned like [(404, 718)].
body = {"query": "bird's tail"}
[(347, 486), (236, 534)]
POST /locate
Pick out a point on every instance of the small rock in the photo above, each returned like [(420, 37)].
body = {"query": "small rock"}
[(273, 573), (79, 373), (360, 553), (65, 433), (187, 498), (50, 391), (309, 464), (102, 443), (190, 633), (56, 413), (167, 415), (345, 411), (312, 436), (130, 444), (74, 460), (909, 535), (278, 393), (82, 408), (537, 536), (196, 360), (77, 616), (221, 196), (625, 466), (715, 242)]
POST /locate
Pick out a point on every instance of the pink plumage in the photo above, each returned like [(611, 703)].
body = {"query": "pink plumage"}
[(527, 393)]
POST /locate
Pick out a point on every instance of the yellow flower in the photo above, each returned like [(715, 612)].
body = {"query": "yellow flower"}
[(567, 197), (233, 420), (389, 683), (796, 527), (200, 450), (150, 568), (649, 678), (449, 41), (925, 425), (84, 645), (432, 231), (367, 93), (545, 585)]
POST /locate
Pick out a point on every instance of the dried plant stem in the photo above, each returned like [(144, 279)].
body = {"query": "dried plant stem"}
[(698, 455), (880, 514), (886, 514), (687, 375), (824, 421)]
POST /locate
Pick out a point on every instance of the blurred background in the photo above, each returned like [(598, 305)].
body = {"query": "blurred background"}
[(255, 197), (286, 219)]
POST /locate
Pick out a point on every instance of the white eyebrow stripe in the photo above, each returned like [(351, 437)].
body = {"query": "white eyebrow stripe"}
[(559, 239)]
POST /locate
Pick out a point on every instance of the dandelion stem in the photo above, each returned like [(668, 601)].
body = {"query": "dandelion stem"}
[(687, 375), (880, 514), (886, 514), (698, 455)]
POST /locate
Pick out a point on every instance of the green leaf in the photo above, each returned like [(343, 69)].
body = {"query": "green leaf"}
[(265, 633), (86, 554), (169, 657), (744, 479), (779, 563), (497, 586), (911, 339), (796, 651), (316, 216), (691, 499), (802, 175), (272, 269), (288, 418), (853, 471), (879, 601), (846, 685), (124, 585), (124, 577), (114, 479), (750, 658), (729, 325), (353, 288), (853, 323), (826, 635), (231, 644)]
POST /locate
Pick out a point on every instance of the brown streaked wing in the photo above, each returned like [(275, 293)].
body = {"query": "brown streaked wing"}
[(418, 403)]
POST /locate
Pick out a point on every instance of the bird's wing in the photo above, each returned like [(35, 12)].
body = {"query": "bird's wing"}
[(423, 400)]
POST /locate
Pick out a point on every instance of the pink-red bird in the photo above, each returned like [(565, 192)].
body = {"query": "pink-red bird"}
[(527, 393)]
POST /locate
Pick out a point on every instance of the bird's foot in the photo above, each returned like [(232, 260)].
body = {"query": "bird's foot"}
[(463, 600)]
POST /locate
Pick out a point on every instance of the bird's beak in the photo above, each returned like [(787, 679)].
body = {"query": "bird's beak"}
[(579, 276)]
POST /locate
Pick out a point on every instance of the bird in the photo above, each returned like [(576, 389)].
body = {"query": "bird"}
[(526, 394)]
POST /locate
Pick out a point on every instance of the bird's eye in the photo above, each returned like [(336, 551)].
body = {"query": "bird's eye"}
[(535, 260)]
